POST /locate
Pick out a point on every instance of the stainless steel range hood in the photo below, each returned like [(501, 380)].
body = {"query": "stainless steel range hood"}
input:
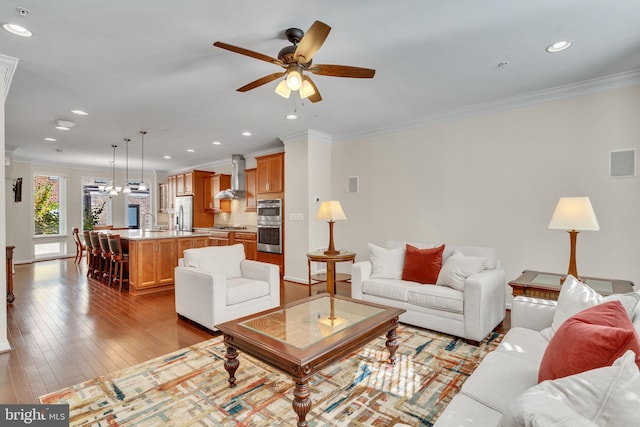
[(237, 189)]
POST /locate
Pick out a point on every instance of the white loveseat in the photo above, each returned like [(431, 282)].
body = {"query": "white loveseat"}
[(504, 391), (472, 311), (216, 284)]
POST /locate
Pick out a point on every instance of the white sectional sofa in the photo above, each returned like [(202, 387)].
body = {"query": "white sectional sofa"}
[(504, 390), (472, 311)]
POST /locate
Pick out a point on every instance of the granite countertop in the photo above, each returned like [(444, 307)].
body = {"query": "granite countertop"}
[(249, 229), (159, 234)]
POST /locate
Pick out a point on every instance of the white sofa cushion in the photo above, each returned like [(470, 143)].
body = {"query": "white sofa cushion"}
[(241, 289), (221, 259), (464, 411), (437, 297), (499, 379), (481, 251), (524, 343), (458, 267), (608, 396), (395, 289), (386, 263), (576, 296)]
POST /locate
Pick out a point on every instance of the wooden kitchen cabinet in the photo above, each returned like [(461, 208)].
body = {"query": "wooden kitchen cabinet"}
[(188, 183), (251, 204), (151, 265), (250, 244), (220, 238), (212, 186), (171, 192), (179, 185), (185, 243), (270, 173)]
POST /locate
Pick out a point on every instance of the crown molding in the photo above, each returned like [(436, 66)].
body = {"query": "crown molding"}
[(8, 65), (585, 87)]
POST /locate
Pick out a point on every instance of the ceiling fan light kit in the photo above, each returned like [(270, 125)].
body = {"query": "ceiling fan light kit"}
[(296, 59)]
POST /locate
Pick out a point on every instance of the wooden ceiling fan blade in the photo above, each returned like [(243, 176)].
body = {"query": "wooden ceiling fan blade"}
[(311, 42), (315, 97), (247, 52), (261, 81), (342, 71)]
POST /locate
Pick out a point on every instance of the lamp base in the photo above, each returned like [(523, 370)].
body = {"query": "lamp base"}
[(333, 252)]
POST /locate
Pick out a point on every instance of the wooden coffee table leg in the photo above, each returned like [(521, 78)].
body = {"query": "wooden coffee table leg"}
[(231, 364), (301, 401), (392, 345)]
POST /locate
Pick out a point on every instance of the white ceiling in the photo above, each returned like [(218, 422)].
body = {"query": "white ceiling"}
[(150, 64)]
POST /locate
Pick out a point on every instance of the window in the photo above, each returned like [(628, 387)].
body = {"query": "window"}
[(96, 204), (135, 215), (49, 205)]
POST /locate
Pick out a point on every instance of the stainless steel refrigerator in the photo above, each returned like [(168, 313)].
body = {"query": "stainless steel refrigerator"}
[(184, 213)]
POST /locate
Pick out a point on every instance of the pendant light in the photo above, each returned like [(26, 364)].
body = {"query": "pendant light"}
[(127, 186), (142, 186), (112, 189)]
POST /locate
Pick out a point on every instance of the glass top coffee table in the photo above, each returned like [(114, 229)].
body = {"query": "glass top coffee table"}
[(303, 337)]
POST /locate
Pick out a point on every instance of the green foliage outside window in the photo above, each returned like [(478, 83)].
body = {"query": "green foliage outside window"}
[(47, 211), (92, 216)]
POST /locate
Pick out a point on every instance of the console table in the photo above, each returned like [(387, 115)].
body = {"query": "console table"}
[(538, 284), (10, 296), (330, 260)]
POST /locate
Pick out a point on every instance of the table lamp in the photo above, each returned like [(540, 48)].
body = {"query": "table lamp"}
[(331, 211), (574, 214)]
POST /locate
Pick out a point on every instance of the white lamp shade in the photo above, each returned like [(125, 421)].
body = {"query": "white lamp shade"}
[(331, 211), (294, 79), (283, 90), (307, 89), (574, 213)]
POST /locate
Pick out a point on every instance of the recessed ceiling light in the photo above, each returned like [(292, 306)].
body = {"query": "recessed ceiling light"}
[(291, 116), (246, 133), (17, 30), (50, 139), (190, 150), (64, 124), (559, 46), (166, 157), (80, 112), (217, 143)]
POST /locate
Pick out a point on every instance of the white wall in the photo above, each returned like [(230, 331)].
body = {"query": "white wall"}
[(494, 180), (4, 342)]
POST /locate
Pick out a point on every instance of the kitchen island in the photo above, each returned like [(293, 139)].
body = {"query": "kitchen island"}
[(153, 256)]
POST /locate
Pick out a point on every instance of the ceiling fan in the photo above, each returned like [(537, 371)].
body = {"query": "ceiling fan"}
[(296, 59)]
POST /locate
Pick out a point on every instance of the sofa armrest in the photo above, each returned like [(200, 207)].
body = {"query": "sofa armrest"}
[(199, 294), (360, 271), (532, 313), (484, 303)]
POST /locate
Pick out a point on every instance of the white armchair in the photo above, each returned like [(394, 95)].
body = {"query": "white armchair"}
[(216, 284)]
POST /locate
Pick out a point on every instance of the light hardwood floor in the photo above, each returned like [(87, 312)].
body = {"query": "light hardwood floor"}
[(64, 329)]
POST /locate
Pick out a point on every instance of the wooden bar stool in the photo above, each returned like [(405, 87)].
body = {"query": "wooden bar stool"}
[(120, 261), (96, 253), (80, 248), (107, 262), (87, 241)]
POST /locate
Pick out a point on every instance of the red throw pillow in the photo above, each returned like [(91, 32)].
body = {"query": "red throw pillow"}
[(422, 265), (592, 338)]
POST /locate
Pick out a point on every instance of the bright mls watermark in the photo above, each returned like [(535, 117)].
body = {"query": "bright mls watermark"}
[(34, 415)]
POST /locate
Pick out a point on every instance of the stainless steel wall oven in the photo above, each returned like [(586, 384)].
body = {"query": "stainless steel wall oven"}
[(270, 226)]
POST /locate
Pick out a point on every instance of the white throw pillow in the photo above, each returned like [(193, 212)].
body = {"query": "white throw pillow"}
[(608, 396), (386, 263), (576, 296), (458, 267), (217, 259)]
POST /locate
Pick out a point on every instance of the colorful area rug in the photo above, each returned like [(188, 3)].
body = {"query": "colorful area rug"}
[(189, 387)]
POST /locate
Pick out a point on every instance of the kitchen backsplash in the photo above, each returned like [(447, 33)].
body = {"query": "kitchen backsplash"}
[(237, 216)]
